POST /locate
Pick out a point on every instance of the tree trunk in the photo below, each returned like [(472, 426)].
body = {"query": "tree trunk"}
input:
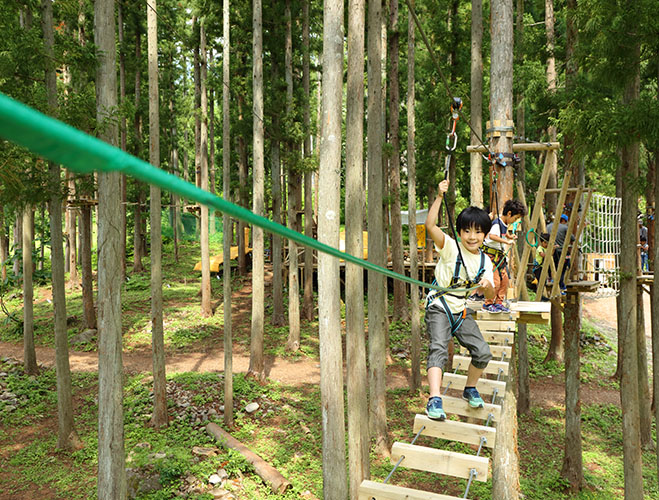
[(358, 433), (520, 126), (329, 303), (505, 460), (211, 152), (307, 306), (111, 457), (89, 312), (256, 361), (29, 351), (71, 234), (242, 194), (123, 135), (4, 244), (159, 417), (655, 312), (415, 317), (572, 470), (277, 272), (18, 243), (400, 289), (476, 110), (67, 438), (376, 249), (552, 198), (644, 396), (206, 309), (629, 394), (555, 351), (137, 232), (226, 237)]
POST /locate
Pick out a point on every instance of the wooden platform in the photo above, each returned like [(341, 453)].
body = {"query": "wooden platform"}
[(582, 286), (532, 312)]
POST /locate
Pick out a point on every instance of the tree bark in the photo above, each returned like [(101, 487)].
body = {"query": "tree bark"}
[(555, 351), (278, 318), (572, 470), (226, 237), (29, 351), (67, 438), (159, 417), (211, 151), (256, 361), (4, 244), (655, 312), (415, 323), (629, 394), (329, 303), (358, 433), (400, 289), (307, 305), (123, 135), (137, 231), (476, 110), (111, 457), (242, 194), (206, 309), (376, 248), (71, 234), (552, 198), (505, 460), (89, 312), (18, 243), (644, 396)]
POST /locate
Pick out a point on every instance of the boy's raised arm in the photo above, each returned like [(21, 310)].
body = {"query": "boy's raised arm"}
[(433, 229)]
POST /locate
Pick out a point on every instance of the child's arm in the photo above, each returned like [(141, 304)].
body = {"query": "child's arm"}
[(433, 229)]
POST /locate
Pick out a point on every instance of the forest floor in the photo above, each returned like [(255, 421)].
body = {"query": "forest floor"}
[(195, 353)]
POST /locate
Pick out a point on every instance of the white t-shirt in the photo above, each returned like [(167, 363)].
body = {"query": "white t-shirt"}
[(446, 267), (497, 227)]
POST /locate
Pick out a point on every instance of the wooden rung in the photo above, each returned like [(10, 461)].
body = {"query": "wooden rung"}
[(499, 316), (502, 338), (444, 462), (493, 367), (452, 430), (458, 406), (496, 325), (369, 490), (497, 351), (484, 386)]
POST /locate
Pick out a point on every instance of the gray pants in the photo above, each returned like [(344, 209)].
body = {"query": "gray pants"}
[(469, 336)]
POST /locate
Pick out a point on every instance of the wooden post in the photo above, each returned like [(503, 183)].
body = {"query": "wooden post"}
[(572, 469), (570, 229)]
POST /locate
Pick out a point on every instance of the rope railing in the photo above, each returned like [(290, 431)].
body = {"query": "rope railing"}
[(82, 153)]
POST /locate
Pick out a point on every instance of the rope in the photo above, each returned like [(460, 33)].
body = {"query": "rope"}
[(83, 153)]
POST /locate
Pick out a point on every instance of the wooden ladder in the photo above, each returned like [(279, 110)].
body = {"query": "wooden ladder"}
[(498, 330)]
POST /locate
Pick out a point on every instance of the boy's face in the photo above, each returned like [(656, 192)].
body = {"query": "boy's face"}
[(472, 238), (509, 218)]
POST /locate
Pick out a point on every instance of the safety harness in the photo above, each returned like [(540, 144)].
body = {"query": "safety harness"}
[(457, 319)]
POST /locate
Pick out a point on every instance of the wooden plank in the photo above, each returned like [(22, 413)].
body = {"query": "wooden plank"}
[(528, 306), (496, 350), (496, 325), (458, 406), (492, 368), (498, 337), (444, 462), (499, 316), (452, 430), (484, 386), (370, 490), (535, 318)]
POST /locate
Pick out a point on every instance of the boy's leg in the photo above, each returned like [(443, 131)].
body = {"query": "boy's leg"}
[(469, 335), (497, 283), (435, 381), (439, 333), (502, 287)]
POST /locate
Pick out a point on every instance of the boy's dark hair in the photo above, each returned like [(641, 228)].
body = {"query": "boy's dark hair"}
[(544, 236), (473, 216), (515, 207)]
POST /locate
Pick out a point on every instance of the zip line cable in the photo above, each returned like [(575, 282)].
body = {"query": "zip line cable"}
[(82, 153)]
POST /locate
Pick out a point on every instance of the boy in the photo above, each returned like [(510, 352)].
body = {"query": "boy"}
[(495, 248), (446, 314)]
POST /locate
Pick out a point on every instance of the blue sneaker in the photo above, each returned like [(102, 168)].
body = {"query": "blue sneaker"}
[(489, 308), (434, 409), (471, 395), (502, 309)]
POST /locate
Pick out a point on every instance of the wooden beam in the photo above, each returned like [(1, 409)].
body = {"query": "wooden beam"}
[(458, 406), (499, 316), (497, 351), (492, 368), (523, 146), (484, 386), (452, 430), (370, 490), (444, 462), (571, 229), (575, 248)]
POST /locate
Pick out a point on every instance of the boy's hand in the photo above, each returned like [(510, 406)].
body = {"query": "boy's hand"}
[(486, 289), (443, 187)]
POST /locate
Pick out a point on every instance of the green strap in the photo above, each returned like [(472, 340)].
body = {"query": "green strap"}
[(84, 154)]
